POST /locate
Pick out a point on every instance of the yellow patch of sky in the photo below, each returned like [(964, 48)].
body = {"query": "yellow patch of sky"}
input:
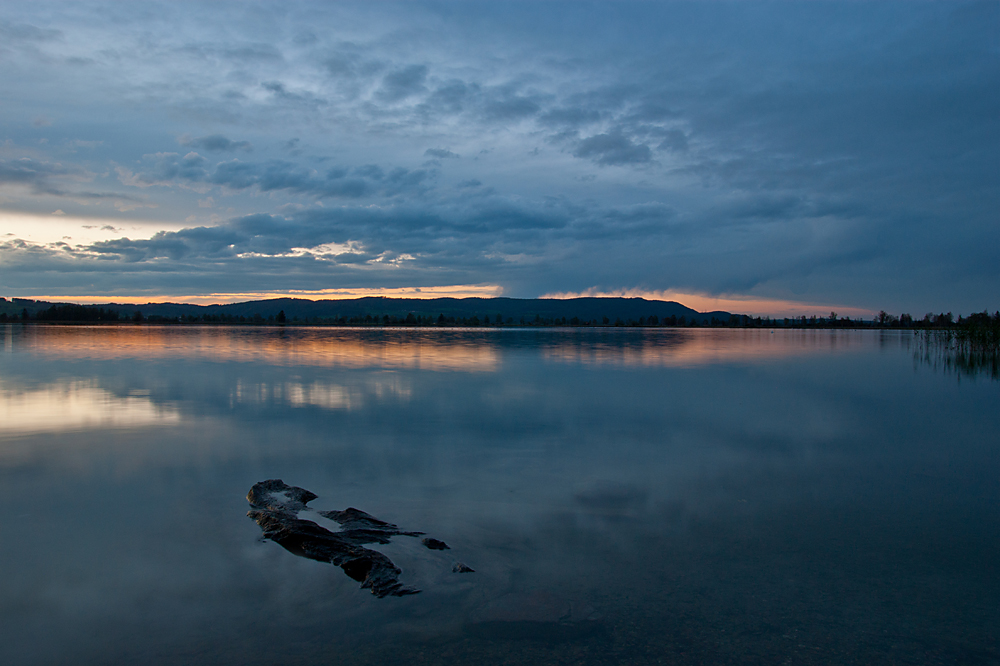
[(58, 227), (447, 291)]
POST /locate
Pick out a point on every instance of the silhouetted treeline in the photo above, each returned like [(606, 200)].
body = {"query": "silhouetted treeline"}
[(619, 312), (82, 313), (546, 311), (72, 312)]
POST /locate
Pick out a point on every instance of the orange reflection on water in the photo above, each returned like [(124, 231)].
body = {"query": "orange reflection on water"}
[(428, 349), (695, 347), (75, 405), (324, 347)]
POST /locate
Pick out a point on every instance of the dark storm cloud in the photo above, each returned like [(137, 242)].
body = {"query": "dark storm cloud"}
[(280, 93), (24, 32), (451, 97), (37, 174), (613, 148), (53, 179), (506, 105), (165, 169), (674, 139), (570, 117), (243, 52), (402, 83), (350, 65), (216, 143), (471, 234), (440, 153)]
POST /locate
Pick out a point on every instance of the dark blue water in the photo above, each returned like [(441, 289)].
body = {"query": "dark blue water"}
[(624, 496)]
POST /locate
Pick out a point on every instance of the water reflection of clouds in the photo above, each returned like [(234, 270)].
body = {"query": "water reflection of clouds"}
[(317, 347), (76, 405), (81, 404), (550, 480), (431, 349), (322, 394), (691, 348)]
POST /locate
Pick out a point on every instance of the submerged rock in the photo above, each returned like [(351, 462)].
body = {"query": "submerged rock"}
[(434, 544), (275, 507)]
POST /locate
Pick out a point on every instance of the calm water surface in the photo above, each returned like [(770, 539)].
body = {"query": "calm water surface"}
[(624, 496)]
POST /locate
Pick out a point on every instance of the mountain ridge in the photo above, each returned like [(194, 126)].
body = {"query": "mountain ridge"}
[(512, 310)]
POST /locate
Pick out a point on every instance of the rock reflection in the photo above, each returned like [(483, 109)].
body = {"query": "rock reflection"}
[(615, 509)]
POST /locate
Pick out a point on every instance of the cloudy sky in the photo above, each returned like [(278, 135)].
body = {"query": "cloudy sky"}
[(766, 157)]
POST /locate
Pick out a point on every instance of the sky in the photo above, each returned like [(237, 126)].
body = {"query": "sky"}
[(770, 158)]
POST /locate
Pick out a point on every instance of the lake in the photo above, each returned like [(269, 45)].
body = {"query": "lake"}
[(638, 496)]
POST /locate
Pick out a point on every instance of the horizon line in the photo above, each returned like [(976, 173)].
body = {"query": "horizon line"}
[(733, 304)]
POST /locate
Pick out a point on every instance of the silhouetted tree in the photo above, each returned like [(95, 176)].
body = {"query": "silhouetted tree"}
[(943, 320)]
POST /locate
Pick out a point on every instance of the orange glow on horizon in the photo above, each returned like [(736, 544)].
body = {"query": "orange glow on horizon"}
[(736, 303), (447, 291)]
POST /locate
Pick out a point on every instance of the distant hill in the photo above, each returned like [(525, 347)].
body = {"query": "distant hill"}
[(514, 309)]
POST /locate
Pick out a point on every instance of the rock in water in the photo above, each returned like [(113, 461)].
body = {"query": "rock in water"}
[(275, 507), (434, 544), (462, 568)]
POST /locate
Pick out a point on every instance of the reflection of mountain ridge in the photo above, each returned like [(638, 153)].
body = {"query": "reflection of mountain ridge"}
[(135, 377), (326, 347), (466, 350)]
